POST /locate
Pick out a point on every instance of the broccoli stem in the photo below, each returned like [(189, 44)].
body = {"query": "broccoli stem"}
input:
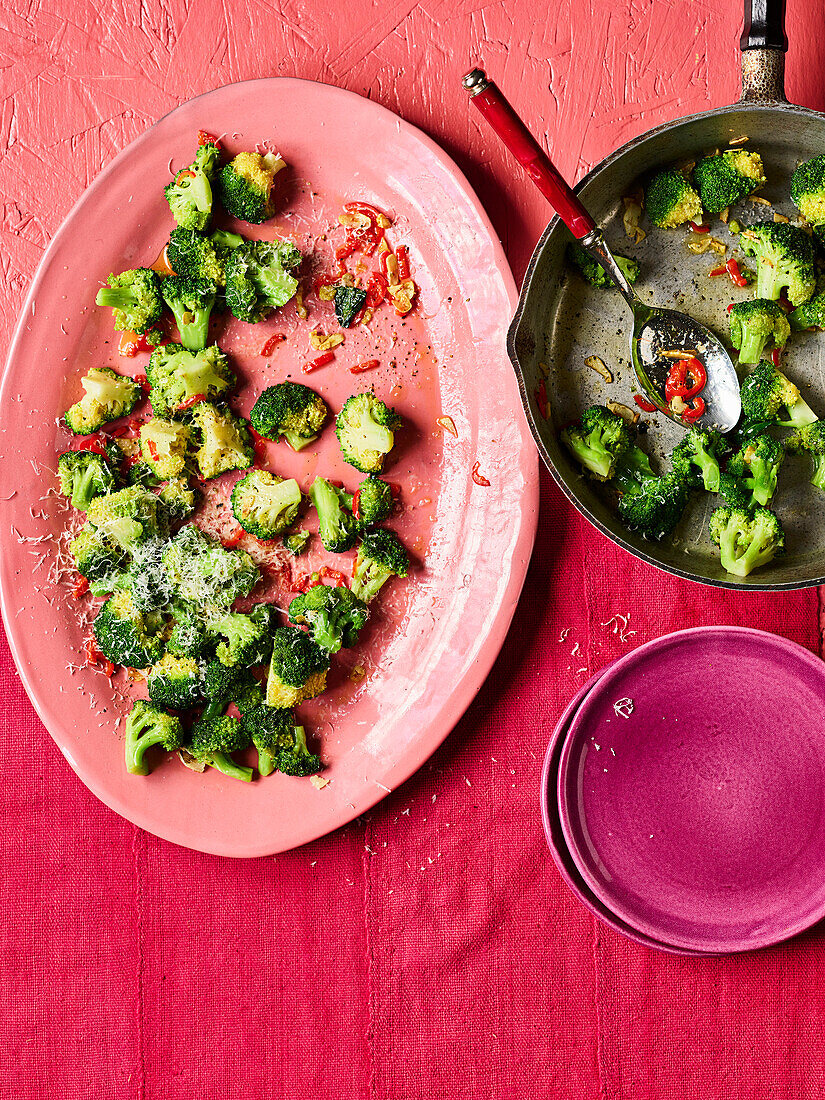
[(83, 489), (819, 473), (709, 468), (298, 442), (137, 746), (116, 297), (266, 762), (227, 765), (193, 326), (599, 462), (752, 347), (799, 414)]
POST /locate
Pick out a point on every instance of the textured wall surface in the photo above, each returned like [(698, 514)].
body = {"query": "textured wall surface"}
[(430, 949)]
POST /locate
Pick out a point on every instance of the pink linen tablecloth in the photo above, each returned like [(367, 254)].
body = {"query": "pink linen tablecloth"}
[(430, 949)]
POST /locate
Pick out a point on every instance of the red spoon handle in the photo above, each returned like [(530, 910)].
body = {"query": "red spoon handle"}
[(533, 159)]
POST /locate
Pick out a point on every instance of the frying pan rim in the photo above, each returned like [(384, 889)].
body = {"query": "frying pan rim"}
[(740, 107)]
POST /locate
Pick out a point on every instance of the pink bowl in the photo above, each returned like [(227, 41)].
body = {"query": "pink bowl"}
[(697, 813)]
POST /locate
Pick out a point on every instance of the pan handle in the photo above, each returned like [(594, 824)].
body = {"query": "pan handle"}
[(763, 44)]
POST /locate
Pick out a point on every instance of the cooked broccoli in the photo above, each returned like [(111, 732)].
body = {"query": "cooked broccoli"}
[(381, 555), (148, 725), (808, 190), (213, 739), (766, 391), (179, 501), (746, 540), (336, 526), (141, 473), (785, 258), (190, 193), (334, 615), (247, 695), (670, 200), (810, 314), (594, 273), (810, 439), (194, 255), (135, 298), (175, 682), (280, 741), (373, 502), (107, 396), (191, 301), (225, 442), (180, 378), (246, 639), (125, 518), (259, 278), (291, 410), (146, 577), (364, 427), (755, 324), (204, 573), (757, 466), (221, 684), (189, 637), (95, 557), (727, 177), (632, 469), (163, 445), (656, 506), (84, 475), (222, 238), (298, 669), (127, 635), (246, 186), (598, 440), (735, 491), (264, 504), (296, 543), (697, 458), (349, 301)]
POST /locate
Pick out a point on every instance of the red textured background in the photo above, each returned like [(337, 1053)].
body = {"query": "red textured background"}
[(430, 949)]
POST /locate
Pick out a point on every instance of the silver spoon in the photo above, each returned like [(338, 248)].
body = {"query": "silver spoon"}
[(655, 330)]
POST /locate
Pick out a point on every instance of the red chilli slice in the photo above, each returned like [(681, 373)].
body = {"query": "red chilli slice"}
[(478, 478)]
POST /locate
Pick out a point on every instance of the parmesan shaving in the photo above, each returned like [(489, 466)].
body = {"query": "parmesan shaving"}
[(318, 782)]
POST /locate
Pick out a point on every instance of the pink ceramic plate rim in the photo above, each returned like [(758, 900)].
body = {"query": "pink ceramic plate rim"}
[(515, 532), (568, 814), (555, 838)]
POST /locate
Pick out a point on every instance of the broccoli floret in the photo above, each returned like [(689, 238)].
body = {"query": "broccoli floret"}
[(373, 501), (727, 177), (348, 301), (148, 725), (178, 500), (163, 446), (697, 458), (146, 577), (205, 574), (175, 682), (656, 506), (189, 637), (364, 427), (127, 635), (213, 739), (598, 440), (107, 396), (291, 410), (125, 518), (222, 238), (195, 255), (381, 555), (670, 200), (785, 256), (246, 639), (747, 541), (334, 615), (264, 504), (247, 695), (336, 526), (135, 298), (757, 464), (225, 442), (296, 543), (84, 475), (594, 273), (259, 278), (191, 301), (180, 378), (766, 391), (810, 439), (141, 473), (756, 324), (297, 670), (280, 741), (246, 186), (808, 190), (96, 558), (735, 491), (190, 193), (810, 314)]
